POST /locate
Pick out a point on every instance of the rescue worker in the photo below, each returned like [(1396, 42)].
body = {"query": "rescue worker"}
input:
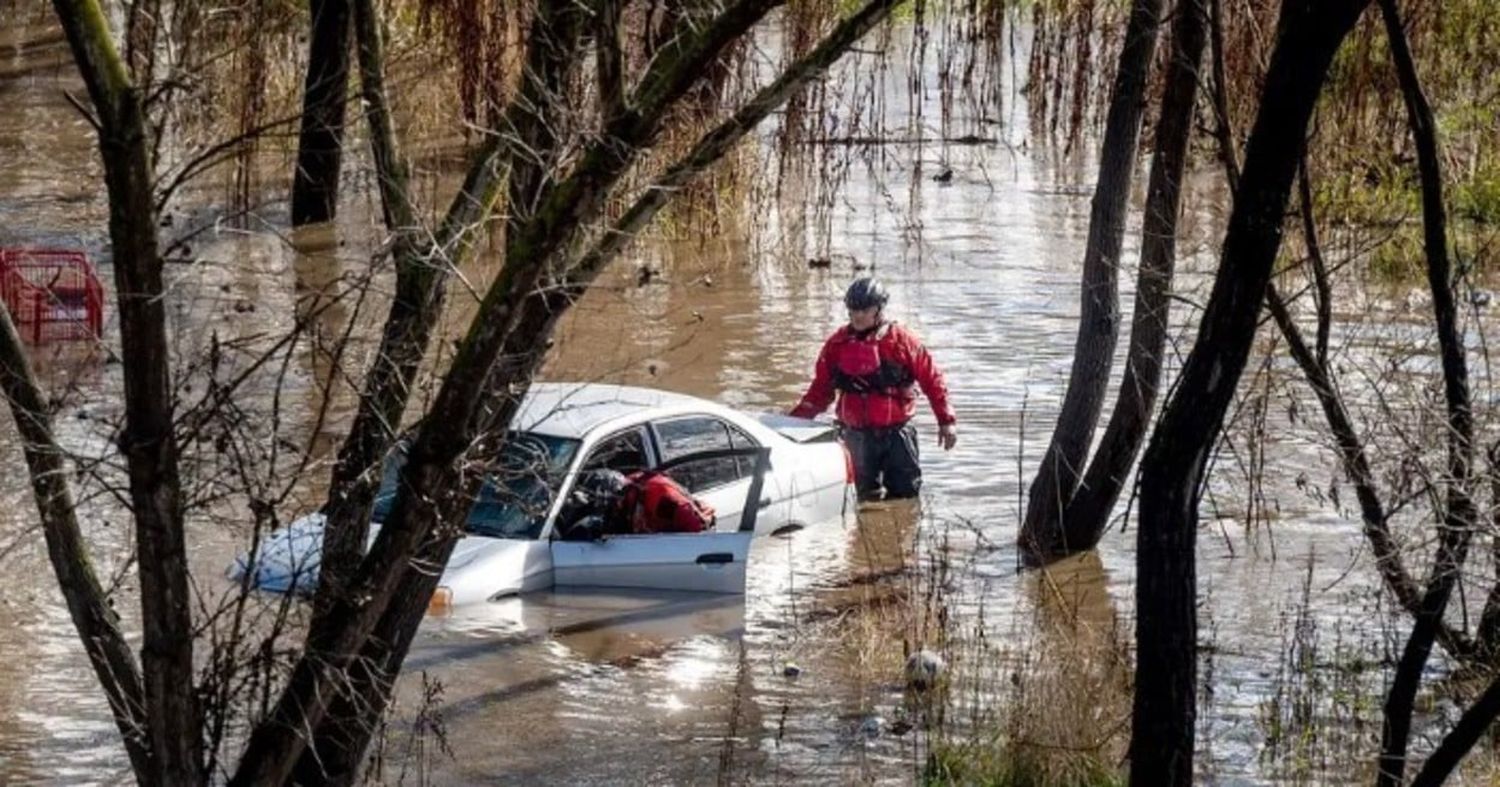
[(607, 502), (873, 366)]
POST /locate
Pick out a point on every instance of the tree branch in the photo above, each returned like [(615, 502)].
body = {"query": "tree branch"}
[(431, 482), (88, 606), (173, 710), (1459, 518), (1175, 465)]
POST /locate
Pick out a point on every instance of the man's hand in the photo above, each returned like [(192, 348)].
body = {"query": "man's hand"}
[(947, 436)]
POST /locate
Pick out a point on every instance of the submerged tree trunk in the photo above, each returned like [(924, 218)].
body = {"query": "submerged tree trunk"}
[(1458, 520), (1173, 469), (315, 184), (1099, 322), (1088, 513)]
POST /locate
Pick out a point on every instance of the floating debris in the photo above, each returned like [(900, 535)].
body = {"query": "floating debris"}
[(791, 670)]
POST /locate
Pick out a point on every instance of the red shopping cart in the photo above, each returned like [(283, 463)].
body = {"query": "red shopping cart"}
[(52, 294)]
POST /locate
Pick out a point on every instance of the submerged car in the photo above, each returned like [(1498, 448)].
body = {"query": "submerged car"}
[(760, 474)]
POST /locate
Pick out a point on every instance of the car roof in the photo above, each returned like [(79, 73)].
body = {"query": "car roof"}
[(575, 409)]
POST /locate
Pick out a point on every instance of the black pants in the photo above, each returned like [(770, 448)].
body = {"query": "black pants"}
[(885, 457)]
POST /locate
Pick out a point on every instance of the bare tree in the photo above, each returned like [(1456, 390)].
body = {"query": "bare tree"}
[(1088, 513), (315, 183), (557, 178), (1063, 464), (1177, 457), (1458, 518), (172, 716)]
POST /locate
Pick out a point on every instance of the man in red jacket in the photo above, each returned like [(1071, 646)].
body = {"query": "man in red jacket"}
[(873, 366)]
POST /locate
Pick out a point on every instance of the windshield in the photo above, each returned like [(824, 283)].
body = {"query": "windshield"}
[(515, 498)]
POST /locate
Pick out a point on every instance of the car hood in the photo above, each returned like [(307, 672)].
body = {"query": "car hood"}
[(288, 560), (471, 548)]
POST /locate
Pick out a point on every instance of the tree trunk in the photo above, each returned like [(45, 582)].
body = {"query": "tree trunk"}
[(1223, 127), (315, 184), (88, 606), (1099, 322), (431, 479), (338, 748), (1314, 365), (1163, 711), (173, 713), (1473, 724), (1488, 632), (1459, 519), (344, 737), (408, 327), (1088, 513)]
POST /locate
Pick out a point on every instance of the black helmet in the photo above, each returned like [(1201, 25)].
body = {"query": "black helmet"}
[(865, 292), (601, 486)]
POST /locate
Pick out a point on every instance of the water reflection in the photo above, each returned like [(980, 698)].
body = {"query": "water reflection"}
[(605, 688), (1079, 664)]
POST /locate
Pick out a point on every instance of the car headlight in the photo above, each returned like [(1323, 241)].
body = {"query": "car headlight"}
[(441, 602)]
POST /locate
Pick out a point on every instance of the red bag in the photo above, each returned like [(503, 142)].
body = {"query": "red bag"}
[(654, 503)]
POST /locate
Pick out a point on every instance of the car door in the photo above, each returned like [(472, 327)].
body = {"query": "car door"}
[(705, 562), (712, 562)]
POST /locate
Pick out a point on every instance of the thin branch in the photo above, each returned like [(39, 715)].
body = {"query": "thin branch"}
[(1459, 519), (87, 113), (210, 156)]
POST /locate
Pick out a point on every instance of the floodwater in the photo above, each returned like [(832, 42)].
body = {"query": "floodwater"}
[(656, 688)]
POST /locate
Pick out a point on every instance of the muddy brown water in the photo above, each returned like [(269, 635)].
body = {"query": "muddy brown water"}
[(659, 688)]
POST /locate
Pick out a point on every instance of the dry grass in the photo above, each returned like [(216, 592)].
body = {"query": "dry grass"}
[(1045, 702)]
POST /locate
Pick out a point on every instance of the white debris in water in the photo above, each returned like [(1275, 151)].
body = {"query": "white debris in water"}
[(923, 669)]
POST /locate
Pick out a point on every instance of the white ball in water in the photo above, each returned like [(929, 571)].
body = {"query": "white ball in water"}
[(923, 669)]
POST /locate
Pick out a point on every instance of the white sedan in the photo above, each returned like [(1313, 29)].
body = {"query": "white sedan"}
[(514, 540)]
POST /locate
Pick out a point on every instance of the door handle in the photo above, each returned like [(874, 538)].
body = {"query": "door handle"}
[(765, 502), (715, 558)]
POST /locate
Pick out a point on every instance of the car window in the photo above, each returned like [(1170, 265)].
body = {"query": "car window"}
[(514, 498), (745, 465), (625, 452), (681, 437)]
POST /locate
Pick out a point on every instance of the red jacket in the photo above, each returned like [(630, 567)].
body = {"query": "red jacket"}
[(654, 503), (874, 376)]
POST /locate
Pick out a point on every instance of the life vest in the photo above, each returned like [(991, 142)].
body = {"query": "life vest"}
[(859, 367), (654, 503), (874, 377)]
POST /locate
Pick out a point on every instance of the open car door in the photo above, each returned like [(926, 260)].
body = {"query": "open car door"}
[(709, 562)]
